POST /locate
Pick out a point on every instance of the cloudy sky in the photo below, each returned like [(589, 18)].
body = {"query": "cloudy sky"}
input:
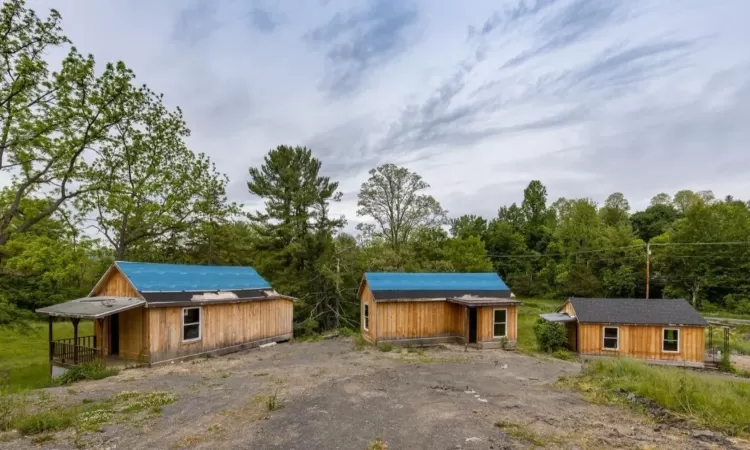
[(479, 97)]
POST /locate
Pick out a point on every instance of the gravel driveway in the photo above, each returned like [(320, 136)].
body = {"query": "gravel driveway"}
[(327, 395)]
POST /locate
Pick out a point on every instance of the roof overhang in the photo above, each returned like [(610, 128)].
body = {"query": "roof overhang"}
[(91, 307), (557, 317)]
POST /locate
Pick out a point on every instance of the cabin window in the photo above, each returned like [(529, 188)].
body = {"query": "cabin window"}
[(191, 324), (366, 316), (671, 340), (611, 338), (500, 322)]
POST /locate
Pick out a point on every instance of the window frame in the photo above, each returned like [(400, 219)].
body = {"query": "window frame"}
[(494, 336), (366, 316), (199, 323), (663, 339), (604, 336)]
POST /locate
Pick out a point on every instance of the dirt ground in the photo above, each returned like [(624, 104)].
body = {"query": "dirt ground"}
[(331, 396)]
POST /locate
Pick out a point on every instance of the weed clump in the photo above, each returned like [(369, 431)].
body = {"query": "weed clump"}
[(95, 370), (385, 347)]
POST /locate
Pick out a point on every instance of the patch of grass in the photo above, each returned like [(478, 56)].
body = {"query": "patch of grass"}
[(385, 347), (416, 350), (360, 342), (708, 401), (153, 401), (528, 314), (53, 419), (523, 433), (347, 332), (272, 402), (95, 370), (378, 444), (24, 353), (565, 355)]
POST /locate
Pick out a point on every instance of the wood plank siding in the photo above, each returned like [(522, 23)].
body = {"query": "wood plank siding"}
[(367, 299), (643, 342), (485, 323), (424, 319), (567, 308), (116, 285), (222, 326), (419, 319)]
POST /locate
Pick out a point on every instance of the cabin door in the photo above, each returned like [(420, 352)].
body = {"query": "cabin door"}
[(114, 334), (472, 325)]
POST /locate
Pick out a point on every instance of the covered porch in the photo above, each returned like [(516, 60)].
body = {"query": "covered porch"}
[(490, 322), (102, 345)]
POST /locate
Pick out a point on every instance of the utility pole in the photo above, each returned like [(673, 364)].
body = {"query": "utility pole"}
[(648, 268)]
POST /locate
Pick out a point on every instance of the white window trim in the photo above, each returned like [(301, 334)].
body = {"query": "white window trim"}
[(678, 340), (494, 336), (605, 349), (200, 324), (365, 316)]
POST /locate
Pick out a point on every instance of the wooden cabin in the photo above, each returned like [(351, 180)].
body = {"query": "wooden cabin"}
[(155, 313), (432, 308), (658, 331)]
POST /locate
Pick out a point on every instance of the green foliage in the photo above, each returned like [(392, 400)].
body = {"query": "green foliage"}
[(95, 370), (24, 353), (385, 347), (378, 444), (725, 363), (392, 197), (709, 401), (53, 419), (360, 342), (550, 336), (468, 226)]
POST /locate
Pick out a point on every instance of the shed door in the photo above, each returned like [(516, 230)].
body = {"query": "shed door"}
[(472, 325), (572, 336)]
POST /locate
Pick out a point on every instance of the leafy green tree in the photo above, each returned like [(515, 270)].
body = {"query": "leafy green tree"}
[(615, 210), (294, 231), (393, 197), (654, 220), (155, 186), (684, 200), (51, 122), (661, 199), (467, 226), (706, 272)]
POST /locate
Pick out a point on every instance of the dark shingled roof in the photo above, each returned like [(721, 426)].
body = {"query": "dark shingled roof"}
[(637, 311)]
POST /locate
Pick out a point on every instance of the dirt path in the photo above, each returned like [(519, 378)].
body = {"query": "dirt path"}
[(332, 397)]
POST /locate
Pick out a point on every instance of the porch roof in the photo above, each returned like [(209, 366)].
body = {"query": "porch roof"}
[(471, 300), (91, 307), (557, 317)]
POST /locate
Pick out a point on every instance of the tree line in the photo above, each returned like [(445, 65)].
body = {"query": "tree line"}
[(96, 168)]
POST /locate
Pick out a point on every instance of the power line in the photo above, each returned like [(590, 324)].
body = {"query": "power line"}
[(543, 255)]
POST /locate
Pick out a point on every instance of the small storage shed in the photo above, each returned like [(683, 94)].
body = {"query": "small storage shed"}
[(433, 308), (667, 331), (152, 313)]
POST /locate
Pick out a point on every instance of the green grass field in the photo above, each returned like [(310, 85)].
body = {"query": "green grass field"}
[(528, 314), (24, 355), (709, 401)]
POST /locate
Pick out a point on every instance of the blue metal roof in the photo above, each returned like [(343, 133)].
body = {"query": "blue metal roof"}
[(398, 281), (153, 277)]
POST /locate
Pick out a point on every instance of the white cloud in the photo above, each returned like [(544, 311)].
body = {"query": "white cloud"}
[(479, 97)]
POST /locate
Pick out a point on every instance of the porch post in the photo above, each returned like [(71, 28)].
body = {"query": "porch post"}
[(51, 345), (467, 332), (75, 340)]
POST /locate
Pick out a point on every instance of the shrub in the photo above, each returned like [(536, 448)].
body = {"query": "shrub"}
[(10, 407), (385, 347), (347, 332), (550, 336), (95, 370)]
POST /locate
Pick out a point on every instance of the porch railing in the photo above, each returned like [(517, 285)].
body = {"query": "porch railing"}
[(69, 351)]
